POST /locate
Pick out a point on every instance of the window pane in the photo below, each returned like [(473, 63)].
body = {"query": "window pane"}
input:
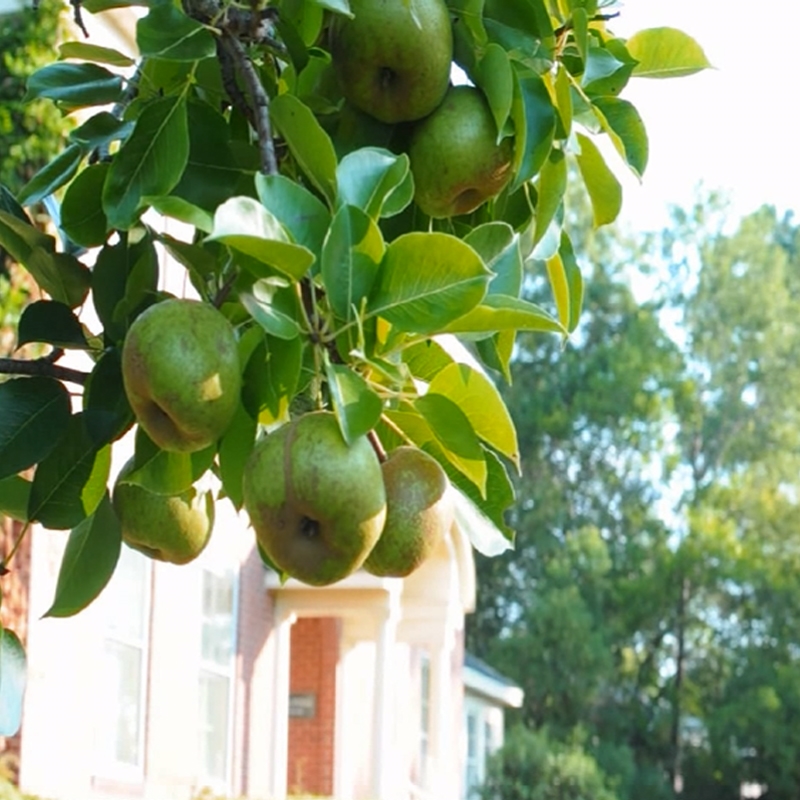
[(214, 697), (218, 630), (123, 673), (124, 598)]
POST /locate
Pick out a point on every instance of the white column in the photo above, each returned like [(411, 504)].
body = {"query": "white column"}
[(282, 629), (384, 784), (444, 736), (343, 750)]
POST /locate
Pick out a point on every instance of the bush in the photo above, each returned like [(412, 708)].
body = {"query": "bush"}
[(531, 766)]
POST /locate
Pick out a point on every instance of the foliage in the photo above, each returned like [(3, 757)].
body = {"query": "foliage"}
[(657, 524), (30, 133), (304, 233), (531, 766)]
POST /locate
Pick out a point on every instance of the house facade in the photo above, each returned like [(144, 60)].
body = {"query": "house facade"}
[(215, 675)]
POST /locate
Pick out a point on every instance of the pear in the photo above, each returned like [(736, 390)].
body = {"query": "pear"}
[(173, 528), (456, 160), (317, 504), (393, 57), (181, 372), (419, 511)]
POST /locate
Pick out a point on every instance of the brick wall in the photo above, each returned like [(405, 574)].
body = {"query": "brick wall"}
[(14, 615), (315, 653)]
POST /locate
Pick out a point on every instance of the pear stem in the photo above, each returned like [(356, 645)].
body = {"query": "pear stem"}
[(377, 446), (42, 367)]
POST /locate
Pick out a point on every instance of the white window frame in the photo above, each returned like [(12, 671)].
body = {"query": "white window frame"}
[(425, 717), (229, 672), (111, 768)]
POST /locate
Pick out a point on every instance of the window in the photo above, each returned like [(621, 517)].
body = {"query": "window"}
[(424, 717), (472, 778), (217, 669), (123, 668)]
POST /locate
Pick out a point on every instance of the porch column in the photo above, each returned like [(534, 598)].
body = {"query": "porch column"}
[(384, 786), (445, 741), (342, 747), (282, 628)]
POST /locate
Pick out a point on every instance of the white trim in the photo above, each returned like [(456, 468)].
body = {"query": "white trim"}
[(477, 682)]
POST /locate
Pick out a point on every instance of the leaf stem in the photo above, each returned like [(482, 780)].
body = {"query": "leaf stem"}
[(42, 367), (6, 559)]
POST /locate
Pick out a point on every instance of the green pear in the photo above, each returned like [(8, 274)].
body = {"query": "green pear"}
[(456, 160), (316, 503), (419, 511), (174, 528), (180, 368), (393, 57)]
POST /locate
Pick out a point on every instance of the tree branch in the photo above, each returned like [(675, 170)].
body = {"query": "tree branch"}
[(259, 100), (42, 367)]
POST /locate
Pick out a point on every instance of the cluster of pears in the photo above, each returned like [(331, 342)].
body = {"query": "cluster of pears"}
[(393, 59), (321, 507)]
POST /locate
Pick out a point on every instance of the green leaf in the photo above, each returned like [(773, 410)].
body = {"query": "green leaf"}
[(666, 53), (9, 204), (534, 125), (107, 412), (149, 163), (51, 322), (53, 176), (567, 284), (357, 407), (245, 225), (501, 313), (234, 449), (310, 145), (21, 239), (70, 482), (455, 435), (167, 33), (101, 129), (12, 682), (262, 308), (82, 215), (302, 214), (351, 258), (93, 52), (62, 276), (271, 378), (426, 280), (551, 187), (482, 404), (74, 85), (14, 495), (89, 561), (496, 77), (622, 122), (426, 359), (183, 211), (496, 352), (604, 189), (376, 181), (34, 413), (498, 246)]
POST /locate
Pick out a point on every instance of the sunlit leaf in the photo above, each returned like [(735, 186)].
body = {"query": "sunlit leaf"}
[(13, 667), (357, 407), (666, 53), (602, 185)]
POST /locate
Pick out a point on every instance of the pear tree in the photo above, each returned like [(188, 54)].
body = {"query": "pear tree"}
[(355, 237)]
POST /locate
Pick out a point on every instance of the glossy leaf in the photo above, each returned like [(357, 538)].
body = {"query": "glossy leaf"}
[(167, 33), (427, 280), (534, 124), (53, 176), (13, 666), (551, 188), (356, 406), (426, 359), (261, 305), (183, 211), (454, 433), (351, 258), (376, 181), (14, 495), (271, 378), (666, 53), (496, 77), (482, 404), (93, 52), (75, 85), (106, 410), (309, 143), (234, 449), (9, 205), (100, 130), (82, 215), (51, 322), (245, 225), (89, 561), (300, 212), (622, 122), (70, 482), (61, 275), (602, 185), (34, 412), (499, 312), (498, 246), (149, 163)]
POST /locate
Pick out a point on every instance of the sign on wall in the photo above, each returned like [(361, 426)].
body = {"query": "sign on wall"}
[(301, 705)]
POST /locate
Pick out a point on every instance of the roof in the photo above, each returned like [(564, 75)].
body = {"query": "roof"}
[(482, 679)]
